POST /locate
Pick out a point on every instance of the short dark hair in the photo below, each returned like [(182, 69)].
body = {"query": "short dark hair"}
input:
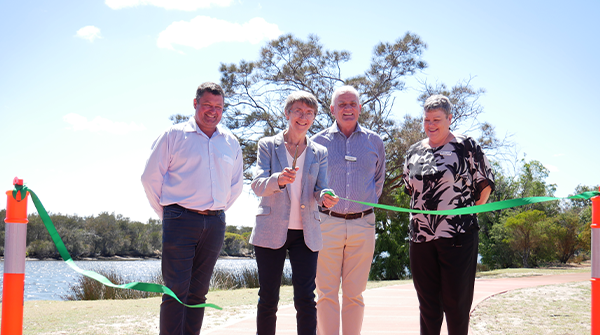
[(209, 87), (438, 101)]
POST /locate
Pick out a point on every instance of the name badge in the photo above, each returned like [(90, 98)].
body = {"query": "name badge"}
[(446, 153), (350, 158)]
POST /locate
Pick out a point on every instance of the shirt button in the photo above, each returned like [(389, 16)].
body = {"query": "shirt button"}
[(302, 206)]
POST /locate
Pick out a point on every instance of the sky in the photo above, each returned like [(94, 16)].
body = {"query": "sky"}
[(87, 86)]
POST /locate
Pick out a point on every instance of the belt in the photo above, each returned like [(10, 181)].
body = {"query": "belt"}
[(349, 216), (206, 212)]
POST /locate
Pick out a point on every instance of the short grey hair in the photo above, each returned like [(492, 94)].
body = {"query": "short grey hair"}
[(438, 101), (302, 96), (342, 90)]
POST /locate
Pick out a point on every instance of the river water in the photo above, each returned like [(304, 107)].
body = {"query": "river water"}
[(49, 280)]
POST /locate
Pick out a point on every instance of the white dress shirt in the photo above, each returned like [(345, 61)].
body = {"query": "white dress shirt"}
[(196, 172)]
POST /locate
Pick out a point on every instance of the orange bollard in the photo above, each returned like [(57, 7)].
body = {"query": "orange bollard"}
[(596, 265), (14, 262)]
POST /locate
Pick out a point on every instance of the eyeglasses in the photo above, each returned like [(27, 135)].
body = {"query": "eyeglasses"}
[(301, 114)]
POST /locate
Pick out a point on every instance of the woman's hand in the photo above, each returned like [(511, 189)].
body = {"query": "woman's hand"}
[(287, 176), (329, 201)]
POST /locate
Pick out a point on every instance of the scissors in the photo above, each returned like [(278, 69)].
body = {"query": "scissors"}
[(295, 156)]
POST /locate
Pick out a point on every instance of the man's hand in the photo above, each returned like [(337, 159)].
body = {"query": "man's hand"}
[(330, 201)]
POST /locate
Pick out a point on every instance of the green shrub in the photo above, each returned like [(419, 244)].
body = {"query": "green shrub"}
[(89, 289)]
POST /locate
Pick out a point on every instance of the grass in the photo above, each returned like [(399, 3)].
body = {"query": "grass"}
[(552, 309)]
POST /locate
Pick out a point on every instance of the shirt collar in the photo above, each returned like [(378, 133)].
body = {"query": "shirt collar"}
[(191, 126), (335, 129)]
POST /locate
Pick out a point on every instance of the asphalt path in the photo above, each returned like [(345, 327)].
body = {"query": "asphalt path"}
[(395, 309)]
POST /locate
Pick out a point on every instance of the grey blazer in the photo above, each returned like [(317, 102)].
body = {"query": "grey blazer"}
[(272, 218)]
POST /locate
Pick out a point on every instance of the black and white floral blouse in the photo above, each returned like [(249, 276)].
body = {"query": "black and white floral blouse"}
[(447, 177)]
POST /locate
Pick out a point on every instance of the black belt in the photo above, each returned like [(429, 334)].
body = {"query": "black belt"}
[(206, 212), (349, 216)]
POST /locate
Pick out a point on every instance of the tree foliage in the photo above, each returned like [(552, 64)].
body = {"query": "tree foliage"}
[(109, 234), (526, 232), (104, 235), (256, 90), (390, 260), (564, 234)]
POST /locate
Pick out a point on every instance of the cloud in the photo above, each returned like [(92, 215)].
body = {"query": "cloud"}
[(203, 31), (187, 5), (100, 124), (89, 33), (551, 168), (558, 155)]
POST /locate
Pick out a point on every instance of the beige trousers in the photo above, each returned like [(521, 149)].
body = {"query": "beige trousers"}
[(347, 253)]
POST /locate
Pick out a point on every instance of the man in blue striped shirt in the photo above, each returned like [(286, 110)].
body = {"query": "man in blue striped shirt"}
[(356, 170)]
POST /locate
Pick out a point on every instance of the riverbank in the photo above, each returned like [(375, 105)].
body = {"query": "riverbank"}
[(119, 258)]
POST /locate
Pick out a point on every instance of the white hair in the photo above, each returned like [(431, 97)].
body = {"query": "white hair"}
[(342, 90)]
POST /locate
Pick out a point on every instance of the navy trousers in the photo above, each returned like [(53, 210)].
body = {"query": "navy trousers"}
[(191, 245), (444, 278), (304, 270)]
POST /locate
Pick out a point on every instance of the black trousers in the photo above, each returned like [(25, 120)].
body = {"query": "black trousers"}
[(444, 277), (270, 269)]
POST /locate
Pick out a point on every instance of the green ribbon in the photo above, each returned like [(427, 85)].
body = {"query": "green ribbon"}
[(62, 250), (493, 206)]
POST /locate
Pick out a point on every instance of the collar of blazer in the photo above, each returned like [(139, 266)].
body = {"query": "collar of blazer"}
[(280, 151)]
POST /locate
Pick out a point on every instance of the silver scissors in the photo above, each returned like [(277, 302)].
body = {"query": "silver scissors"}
[(295, 157)]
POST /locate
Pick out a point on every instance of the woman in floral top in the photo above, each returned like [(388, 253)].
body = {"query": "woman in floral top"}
[(444, 171)]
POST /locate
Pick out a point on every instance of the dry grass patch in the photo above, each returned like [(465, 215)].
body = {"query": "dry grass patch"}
[(553, 309)]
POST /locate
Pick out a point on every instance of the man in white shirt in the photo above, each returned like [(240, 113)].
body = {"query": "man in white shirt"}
[(192, 176)]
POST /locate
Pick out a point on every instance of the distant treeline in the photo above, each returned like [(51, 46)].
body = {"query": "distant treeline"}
[(107, 235)]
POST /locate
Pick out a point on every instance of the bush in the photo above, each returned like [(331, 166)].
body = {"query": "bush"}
[(247, 277), (42, 249), (89, 289)]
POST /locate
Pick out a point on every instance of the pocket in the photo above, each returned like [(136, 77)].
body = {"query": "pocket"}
[(263, 210), (370, 219), (173, 212), (222, 217)]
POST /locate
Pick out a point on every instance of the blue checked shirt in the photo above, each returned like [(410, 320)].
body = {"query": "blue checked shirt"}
[(356, 166)]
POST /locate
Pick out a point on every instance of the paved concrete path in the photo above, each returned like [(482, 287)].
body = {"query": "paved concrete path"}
[(395, 309)]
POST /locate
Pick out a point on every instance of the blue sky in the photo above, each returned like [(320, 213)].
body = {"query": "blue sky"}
[(86, 86)]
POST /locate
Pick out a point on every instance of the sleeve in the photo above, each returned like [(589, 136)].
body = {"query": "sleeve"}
[(155, 171), (237, 178), (321, 186), (380, 172), (408, 188), (481, 170), (265, 181)]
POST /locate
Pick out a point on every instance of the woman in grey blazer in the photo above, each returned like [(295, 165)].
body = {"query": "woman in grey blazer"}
[(291, 179)]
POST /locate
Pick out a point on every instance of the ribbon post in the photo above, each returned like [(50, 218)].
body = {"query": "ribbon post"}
[(596, 265), (14, 261)]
